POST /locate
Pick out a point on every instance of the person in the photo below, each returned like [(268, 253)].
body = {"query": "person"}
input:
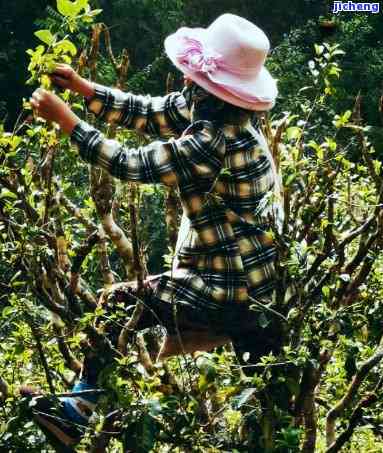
[(212, 151)]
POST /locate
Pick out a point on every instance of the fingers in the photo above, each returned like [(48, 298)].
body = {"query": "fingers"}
[(62, 67), (35, 104), (63, 70), (39, 99), (39, 94), (36, 98), (63, 76), (60, 81)]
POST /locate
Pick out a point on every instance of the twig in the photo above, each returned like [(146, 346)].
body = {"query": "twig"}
[(268, 309), (71, 361), (138, 266), (108, 45), (42, 357), (356, 417), (352, 390), (102, 439), (81, 253), (47, 174), (3, 390), (75, 211), (352, 289)]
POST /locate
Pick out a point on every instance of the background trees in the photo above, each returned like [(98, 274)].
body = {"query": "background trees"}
[(323, 391)]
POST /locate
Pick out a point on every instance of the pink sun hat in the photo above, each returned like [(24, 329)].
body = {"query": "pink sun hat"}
[(226, 59)]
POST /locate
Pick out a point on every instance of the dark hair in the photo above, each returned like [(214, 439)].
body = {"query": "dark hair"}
[(231, 114), (208, 107)]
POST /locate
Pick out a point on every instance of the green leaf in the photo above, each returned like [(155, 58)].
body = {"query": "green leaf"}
[(290, 179), (326, 291), (141, 435), (95, 12), (8, 194), (67, 46), (293, 133), (71, 9), (338, 52), (318, 49), (8, 311), (45, 36), (263, 321)]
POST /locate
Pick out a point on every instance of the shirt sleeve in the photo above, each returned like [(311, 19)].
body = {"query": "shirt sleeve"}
[(197, 155), (156, 116)]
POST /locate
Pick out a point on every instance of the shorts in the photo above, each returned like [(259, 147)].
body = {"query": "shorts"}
[(236, 321)]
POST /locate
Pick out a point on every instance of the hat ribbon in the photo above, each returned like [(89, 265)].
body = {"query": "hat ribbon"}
[(198, 57)]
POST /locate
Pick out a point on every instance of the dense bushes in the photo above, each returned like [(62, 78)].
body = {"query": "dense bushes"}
[(320, 394)]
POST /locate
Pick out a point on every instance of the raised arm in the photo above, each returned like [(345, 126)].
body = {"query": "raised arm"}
[(195, 158), (192, 161), (157, 116)]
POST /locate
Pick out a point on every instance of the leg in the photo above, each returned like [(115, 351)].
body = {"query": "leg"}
[(64, 420), (257, 342), (248, 334), (191, 341), (188, 330)]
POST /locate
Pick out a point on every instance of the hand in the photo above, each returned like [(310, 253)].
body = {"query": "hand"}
[(66, 77), (50, 107)]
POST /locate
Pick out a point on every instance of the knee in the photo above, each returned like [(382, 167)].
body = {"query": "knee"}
[(117, 293)]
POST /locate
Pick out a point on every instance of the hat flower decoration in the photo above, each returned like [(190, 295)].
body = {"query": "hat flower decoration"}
[(197, 57)]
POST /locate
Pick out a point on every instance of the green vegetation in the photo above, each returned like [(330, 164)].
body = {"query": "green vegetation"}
[(323, 392)]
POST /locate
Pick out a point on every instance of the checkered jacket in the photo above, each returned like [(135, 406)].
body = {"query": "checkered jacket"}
[(223, 176)]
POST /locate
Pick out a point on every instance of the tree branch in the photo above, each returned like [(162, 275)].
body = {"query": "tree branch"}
[(70, 360), (351, 392), (102, 190), (356, 417), (43, 359), (108, 430), (4, 390)]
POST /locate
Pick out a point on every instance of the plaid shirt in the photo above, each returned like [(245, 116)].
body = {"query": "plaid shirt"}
[(223, 176)]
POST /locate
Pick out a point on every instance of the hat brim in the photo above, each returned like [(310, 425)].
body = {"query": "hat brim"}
[(258, 93)]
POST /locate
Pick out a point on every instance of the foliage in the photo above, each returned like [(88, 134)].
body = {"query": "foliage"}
[(358, 37), (323, 389), (150, 20)]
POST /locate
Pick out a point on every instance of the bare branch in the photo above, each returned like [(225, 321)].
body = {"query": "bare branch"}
[(138, 266), (43, 359), (106, 270), (81, 253), (102, 190), (351, 392), (75, 211), (4, 390), (355, 418), (70, 360), (108, 45), (108, 430), (94, 48), (46, 175)]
